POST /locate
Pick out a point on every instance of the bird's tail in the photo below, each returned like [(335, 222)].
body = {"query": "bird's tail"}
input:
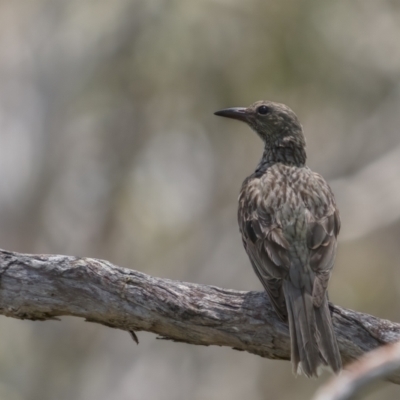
[(313, 341)]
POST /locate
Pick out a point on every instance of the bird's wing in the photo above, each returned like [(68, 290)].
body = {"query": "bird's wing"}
[(266, 248), (323, 225), (322, 242)]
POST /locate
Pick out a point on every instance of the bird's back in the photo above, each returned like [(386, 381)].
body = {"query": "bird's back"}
[(289, 224)]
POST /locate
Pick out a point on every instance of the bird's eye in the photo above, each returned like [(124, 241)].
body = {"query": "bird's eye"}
[(263, 110)]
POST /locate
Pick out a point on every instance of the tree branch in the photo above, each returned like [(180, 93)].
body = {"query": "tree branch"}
[(374, 365), (42, 287)]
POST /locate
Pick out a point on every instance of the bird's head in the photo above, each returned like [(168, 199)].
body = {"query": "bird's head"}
[(275, 123)]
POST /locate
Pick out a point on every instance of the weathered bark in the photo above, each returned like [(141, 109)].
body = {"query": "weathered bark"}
[(41, 287)]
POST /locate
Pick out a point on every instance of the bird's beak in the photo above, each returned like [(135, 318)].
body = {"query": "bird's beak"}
[(239, 113)]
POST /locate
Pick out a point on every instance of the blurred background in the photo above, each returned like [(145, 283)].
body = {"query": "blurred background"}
[(110, 149)]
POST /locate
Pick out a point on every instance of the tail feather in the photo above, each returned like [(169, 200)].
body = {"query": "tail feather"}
[(313, 342), (328, 343)]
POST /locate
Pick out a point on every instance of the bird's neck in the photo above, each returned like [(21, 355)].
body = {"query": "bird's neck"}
[(288, 154)]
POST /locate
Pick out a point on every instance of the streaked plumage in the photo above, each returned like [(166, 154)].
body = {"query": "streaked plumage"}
[(289, 224)]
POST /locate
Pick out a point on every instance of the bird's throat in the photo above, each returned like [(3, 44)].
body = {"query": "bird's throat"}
[(288, 155)]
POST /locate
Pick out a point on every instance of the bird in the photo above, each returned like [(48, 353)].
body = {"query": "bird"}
[(289, 224)]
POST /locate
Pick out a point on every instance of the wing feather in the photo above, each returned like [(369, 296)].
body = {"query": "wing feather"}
[(267, 250)]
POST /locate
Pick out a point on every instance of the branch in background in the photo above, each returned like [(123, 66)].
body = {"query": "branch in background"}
[(377, 364), (42, 287)]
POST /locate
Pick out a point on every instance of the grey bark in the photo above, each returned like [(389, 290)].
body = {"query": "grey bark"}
[(42, 287)]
